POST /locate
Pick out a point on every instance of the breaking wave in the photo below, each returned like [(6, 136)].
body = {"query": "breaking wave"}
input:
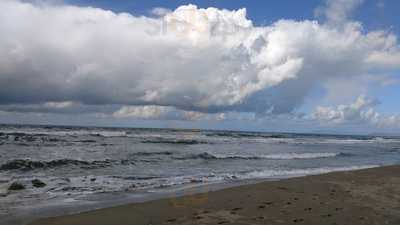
[(151, 153), (174, 141), (280, 156), (298, 172), (26, 164), (304, 155)]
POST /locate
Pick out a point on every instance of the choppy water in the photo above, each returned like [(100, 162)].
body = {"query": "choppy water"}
[(77, 163)]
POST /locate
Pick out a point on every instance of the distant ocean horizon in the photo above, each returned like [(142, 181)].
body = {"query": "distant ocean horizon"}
[(79, 164), (194, 128)]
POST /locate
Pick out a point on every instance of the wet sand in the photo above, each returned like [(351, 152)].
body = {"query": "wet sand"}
[(370, 196)]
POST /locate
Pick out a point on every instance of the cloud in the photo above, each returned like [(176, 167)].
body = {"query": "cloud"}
[(337, 12), (66, 107), (142, 112), (159, 11), (358, 111), (362, 111), (385, 59), (380, 4), (169, 113), (191, 60)]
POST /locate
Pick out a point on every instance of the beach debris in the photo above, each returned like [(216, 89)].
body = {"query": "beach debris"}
[(38, 183), (15, 186)]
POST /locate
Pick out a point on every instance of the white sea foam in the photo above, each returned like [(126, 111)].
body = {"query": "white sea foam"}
[(104, 133), (280, 156), (301, 155), (298, 172), (305, 141)]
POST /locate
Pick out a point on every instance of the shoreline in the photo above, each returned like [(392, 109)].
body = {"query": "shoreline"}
[(109, 200), (367, 196)]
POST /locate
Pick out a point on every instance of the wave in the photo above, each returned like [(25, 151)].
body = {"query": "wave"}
[(280, 156), (313, 141), (287, 138), (204, 155), (151, 153), (20, 134), (246, 135), (305, 155), (152, 183), (26, 164), (357, 141), (174, 141), (74, 133), (297, 172)]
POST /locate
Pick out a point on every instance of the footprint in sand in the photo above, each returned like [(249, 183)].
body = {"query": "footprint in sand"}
[(171, 220), (267, 203), (259, 218), (283, 188), (198, 217), (234, 210), (298, 220)]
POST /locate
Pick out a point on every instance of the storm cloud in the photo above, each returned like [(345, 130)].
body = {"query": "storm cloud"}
[(191, 59)]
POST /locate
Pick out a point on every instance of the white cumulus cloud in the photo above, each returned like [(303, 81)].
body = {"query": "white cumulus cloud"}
[(361, 111), (191, 59), (337, 12)]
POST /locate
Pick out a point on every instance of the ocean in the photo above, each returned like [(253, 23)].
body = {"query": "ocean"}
[(86, 166)]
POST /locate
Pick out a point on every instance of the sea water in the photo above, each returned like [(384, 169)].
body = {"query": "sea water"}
[(83, 165)]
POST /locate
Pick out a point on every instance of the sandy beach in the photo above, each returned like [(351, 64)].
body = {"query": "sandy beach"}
[(370, 196)]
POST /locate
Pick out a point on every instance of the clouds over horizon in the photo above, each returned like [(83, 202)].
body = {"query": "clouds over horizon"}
[(361, 111), (188, 63)]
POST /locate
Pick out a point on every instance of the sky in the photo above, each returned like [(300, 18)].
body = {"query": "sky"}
[(288, 66)]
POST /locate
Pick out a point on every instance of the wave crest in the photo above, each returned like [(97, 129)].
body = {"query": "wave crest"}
[(298, 172), (26, 164), (174, 141), (279, 156)]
